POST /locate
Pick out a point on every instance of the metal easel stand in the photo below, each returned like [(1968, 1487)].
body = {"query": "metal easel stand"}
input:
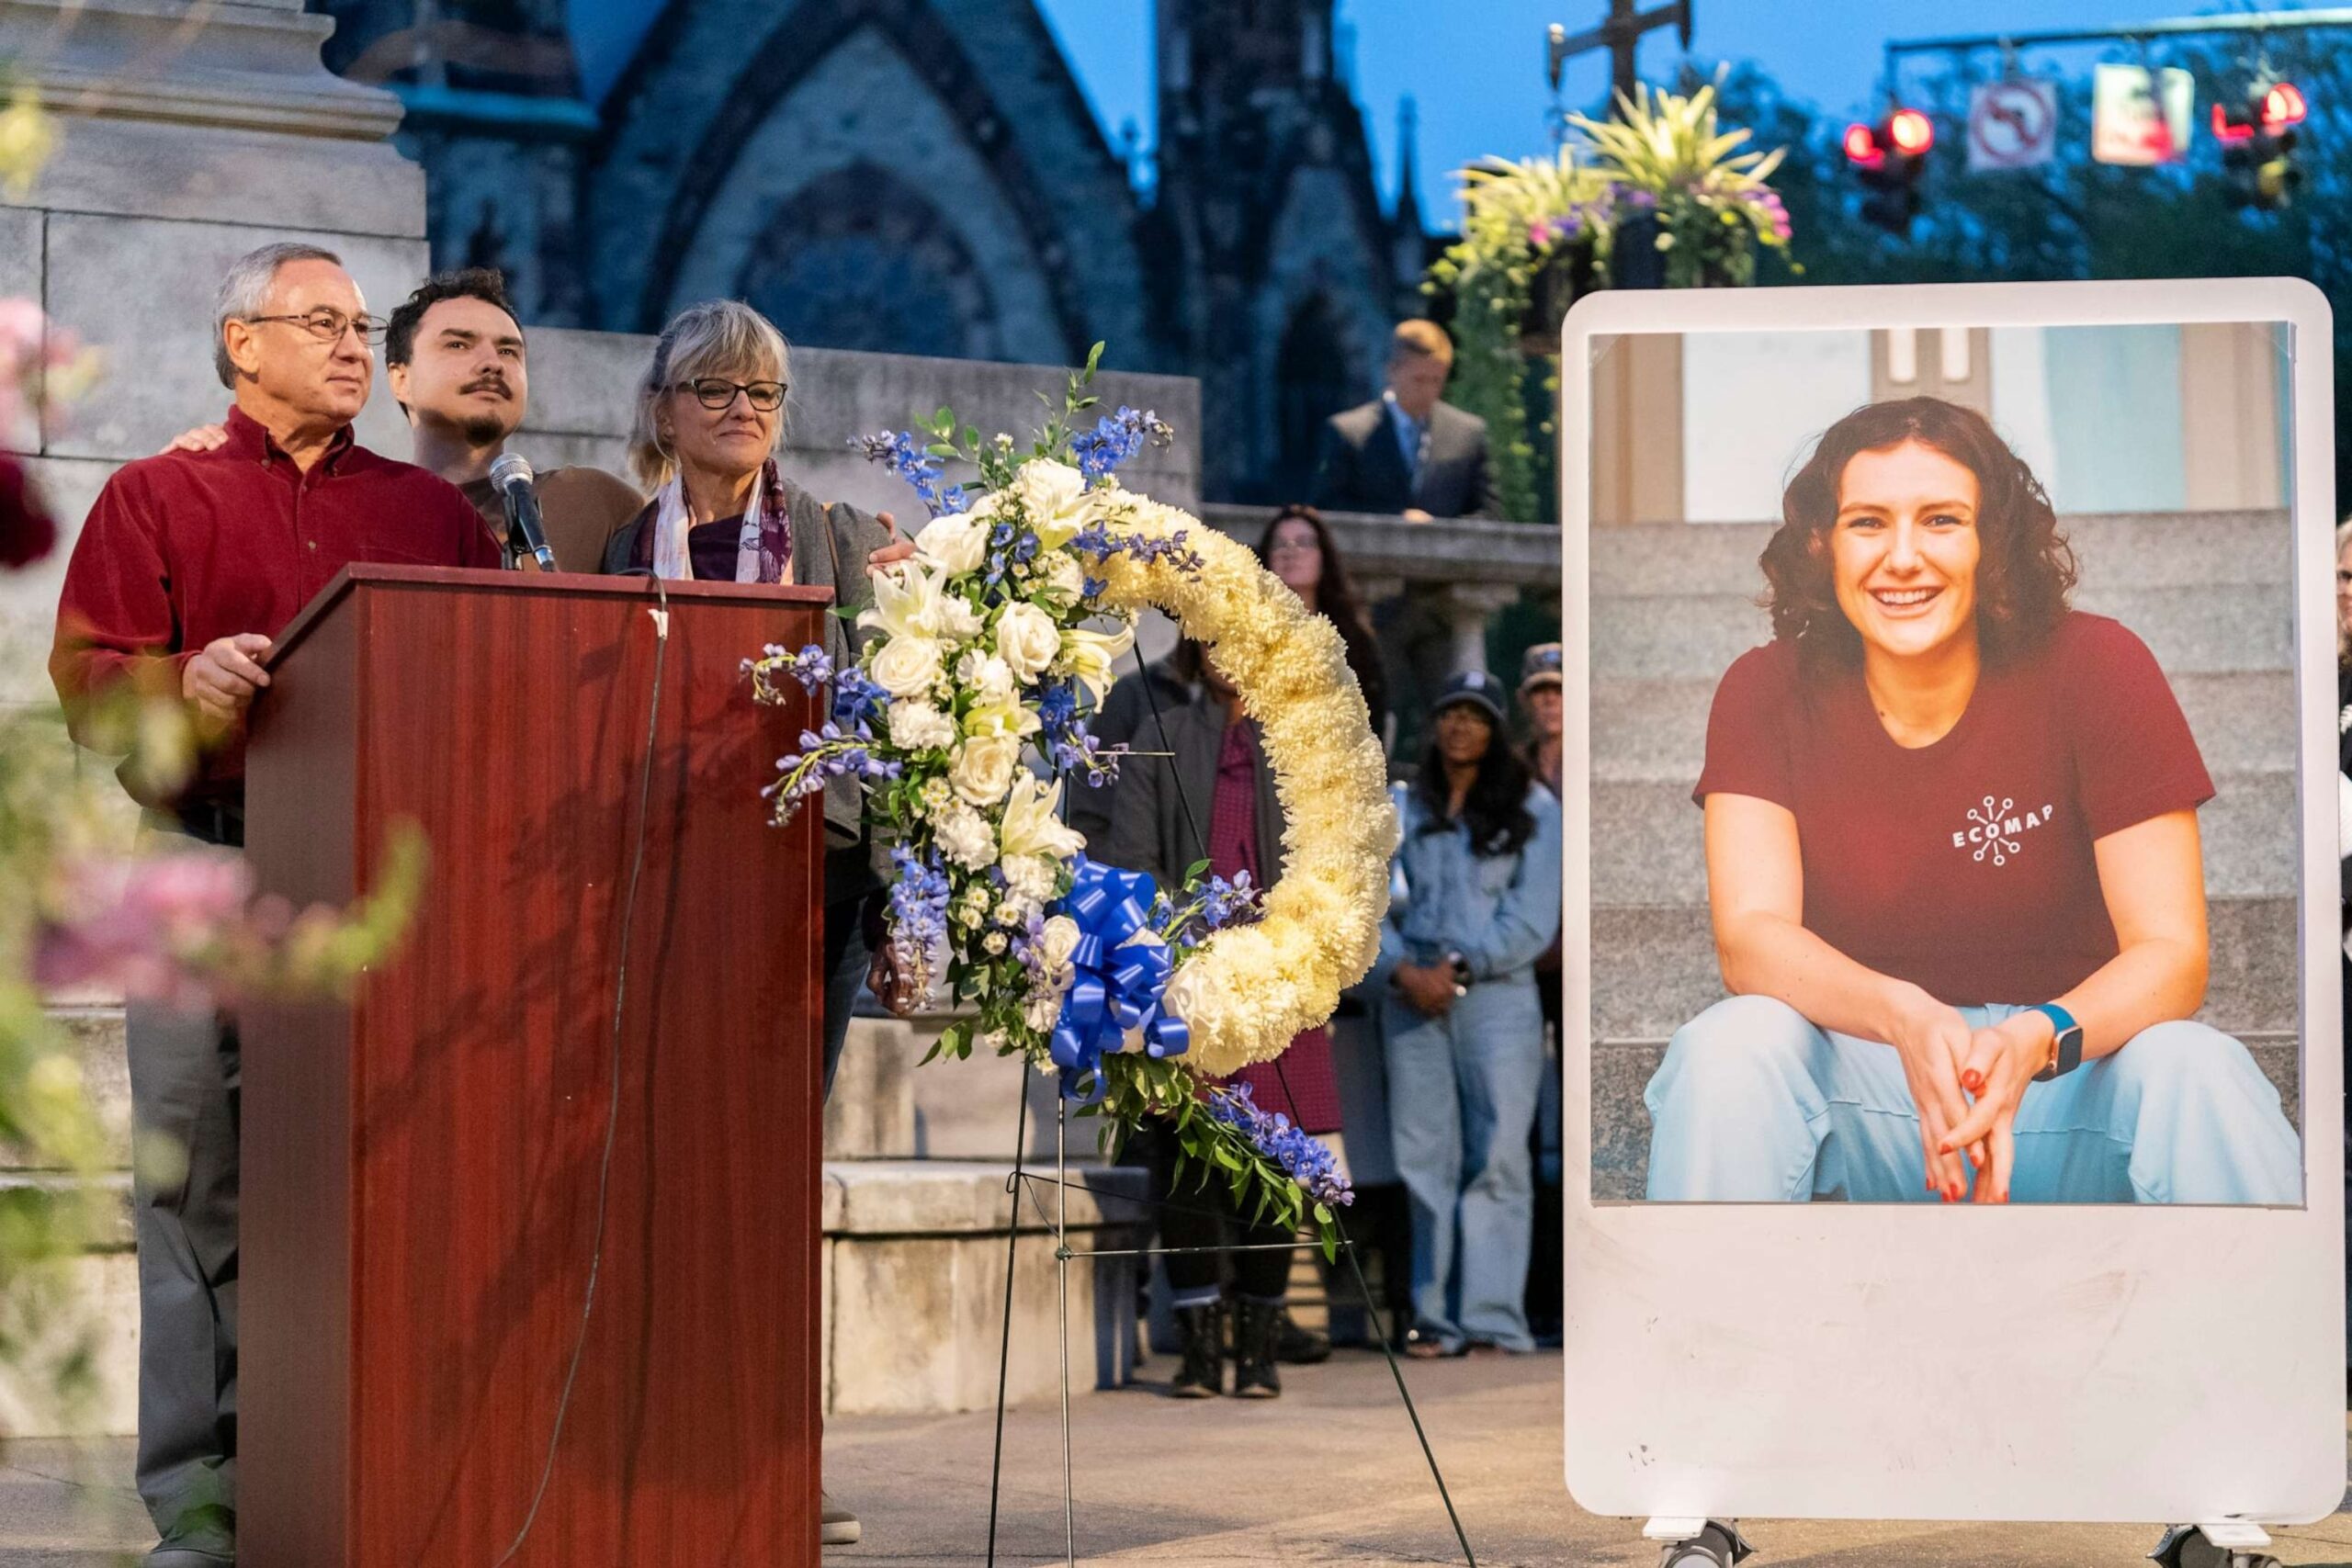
[(2223, 1544), (1064, 1256), (1696, 1543)]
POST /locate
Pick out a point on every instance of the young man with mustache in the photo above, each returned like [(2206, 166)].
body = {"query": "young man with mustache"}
[(455, 359)]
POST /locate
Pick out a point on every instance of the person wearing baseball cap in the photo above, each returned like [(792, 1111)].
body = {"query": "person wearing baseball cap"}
[(1478, 873)]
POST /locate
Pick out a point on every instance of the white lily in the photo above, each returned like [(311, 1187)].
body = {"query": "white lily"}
[(1031, 824)]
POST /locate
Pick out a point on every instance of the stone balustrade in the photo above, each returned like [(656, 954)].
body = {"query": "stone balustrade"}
[(1476, 566)]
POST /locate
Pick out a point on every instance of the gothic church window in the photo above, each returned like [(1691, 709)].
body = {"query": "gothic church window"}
[(858, 259)]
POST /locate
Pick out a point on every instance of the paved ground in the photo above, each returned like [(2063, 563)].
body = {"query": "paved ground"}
[(1329, 1475)]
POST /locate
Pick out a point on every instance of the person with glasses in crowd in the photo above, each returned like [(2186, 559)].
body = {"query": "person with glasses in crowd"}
[(190, 564), (711, 417), (457, 363)]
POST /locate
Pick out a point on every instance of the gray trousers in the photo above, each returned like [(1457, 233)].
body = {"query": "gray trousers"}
[(184, 1184), (184, 1085)]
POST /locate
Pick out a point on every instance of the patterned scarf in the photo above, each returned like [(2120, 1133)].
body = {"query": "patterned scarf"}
[(762, 550)]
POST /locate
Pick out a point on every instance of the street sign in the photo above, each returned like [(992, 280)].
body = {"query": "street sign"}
[(2012, 125), (2128, 124)]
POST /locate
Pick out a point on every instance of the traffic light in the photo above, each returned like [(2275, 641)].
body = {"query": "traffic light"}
[(2258, 144), (1890, 158)]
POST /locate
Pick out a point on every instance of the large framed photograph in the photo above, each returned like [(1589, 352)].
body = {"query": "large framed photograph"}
[(1956, 876)]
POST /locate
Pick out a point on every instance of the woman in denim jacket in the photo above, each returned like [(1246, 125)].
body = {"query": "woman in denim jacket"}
[(1476, 899)]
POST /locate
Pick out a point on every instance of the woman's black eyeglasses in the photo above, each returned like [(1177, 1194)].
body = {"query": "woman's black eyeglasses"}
[(715, 394)]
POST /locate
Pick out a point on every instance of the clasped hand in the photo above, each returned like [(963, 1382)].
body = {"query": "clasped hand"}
[(1967, 1084)]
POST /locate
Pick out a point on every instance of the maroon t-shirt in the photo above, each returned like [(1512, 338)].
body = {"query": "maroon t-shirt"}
[(1964, 867)]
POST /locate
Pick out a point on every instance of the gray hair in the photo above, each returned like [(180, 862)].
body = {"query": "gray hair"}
[(718, 337), (245, 290)]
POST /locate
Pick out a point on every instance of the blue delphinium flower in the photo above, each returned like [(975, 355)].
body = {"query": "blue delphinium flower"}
[(1307, 1161), (918, 908), (905, 455), (1117, 437), (857, 701)]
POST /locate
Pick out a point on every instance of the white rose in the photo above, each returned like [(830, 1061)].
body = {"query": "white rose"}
[(957, 543), (918, 727), (964, 837), (983, 768), (994, 944), (907, 666), (1059, 940), (1027, 641), (1040, 1013), (1196, 997), (1053, 497), (1091, 657)]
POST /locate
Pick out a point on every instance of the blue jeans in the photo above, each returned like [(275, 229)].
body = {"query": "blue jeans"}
[(1462, 1095), (1755, 1104)]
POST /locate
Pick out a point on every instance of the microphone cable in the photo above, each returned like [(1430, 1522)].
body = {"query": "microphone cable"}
[(613, 1102)]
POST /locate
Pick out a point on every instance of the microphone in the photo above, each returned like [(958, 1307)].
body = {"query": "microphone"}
[(512, 475)]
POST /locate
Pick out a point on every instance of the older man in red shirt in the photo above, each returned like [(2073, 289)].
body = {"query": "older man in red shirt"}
[(190, 565)]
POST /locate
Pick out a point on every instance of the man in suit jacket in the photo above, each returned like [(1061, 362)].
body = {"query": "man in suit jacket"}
[(1406, 451)]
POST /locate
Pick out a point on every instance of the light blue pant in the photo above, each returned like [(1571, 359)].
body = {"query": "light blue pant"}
[(1755, 1104), (1461, 1094)]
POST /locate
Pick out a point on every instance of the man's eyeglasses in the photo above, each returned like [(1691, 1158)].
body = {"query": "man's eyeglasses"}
[(715, 394), (329, 325)]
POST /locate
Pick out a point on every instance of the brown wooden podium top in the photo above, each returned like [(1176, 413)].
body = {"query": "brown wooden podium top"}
[(570, 583)]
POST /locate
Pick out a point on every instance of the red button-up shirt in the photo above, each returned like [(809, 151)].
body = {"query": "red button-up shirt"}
[(186, 547)]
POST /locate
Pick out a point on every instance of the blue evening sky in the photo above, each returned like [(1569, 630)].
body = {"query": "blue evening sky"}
[(1475, 67)]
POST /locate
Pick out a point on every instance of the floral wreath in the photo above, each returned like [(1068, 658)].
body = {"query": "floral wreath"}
[(980, 654)]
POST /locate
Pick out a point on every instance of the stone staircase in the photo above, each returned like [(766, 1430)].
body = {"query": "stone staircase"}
[(915, 1218), (1673, 605)]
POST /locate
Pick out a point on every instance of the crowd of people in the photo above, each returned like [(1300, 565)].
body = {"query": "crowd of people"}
[(191, 563)]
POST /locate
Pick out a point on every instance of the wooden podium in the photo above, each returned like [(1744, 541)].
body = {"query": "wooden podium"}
[(422, 1166)]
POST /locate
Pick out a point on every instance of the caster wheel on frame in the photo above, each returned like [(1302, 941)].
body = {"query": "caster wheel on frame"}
[(1717, 1546)]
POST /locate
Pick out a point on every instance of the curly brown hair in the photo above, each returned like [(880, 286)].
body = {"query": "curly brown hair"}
[(2025, 570)]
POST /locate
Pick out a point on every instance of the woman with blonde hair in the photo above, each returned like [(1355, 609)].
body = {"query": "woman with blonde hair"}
[(711, 417)]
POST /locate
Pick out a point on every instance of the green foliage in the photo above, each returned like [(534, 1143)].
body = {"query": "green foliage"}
[(1541, 232)]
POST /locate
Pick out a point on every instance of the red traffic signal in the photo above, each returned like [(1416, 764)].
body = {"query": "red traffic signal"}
[(2283, 105), (1910, 132), (1905, 133)]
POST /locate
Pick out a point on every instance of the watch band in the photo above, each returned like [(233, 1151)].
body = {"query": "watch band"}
[(2066, 1046)]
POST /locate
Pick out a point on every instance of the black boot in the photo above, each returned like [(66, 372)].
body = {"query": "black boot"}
[(1257, 1326), (1201, 1330)]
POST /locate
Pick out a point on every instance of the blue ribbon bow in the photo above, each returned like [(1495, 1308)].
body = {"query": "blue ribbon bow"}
[(1119, 987)]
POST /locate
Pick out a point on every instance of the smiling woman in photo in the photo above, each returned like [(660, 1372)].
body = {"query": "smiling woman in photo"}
[(1953, 870)]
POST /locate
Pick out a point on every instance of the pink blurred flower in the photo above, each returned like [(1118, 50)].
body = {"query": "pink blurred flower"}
[(139, 923)]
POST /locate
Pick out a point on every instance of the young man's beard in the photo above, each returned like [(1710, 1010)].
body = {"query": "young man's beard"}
[(481, 429)]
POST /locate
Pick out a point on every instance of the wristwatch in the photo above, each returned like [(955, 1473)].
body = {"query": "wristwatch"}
[(2066, 1050)]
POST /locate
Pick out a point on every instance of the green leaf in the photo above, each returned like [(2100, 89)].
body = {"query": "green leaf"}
[(1195, 872), (1323, 1214)]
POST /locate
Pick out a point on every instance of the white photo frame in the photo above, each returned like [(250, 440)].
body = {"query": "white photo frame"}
[(2095, 1363)]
